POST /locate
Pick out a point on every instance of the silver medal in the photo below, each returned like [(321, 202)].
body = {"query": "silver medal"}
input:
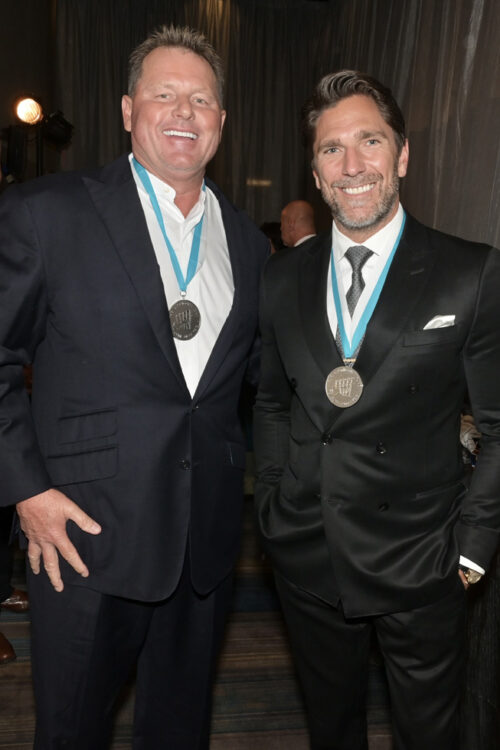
[(344, 387), (185, 319)]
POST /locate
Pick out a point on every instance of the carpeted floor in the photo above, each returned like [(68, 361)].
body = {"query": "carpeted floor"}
[(257, 704)]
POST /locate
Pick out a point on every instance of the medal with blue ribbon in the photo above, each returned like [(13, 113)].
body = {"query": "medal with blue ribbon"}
[(344, 385), (185, 318)]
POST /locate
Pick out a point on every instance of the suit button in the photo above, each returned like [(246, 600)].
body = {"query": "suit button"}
[(381, 448), (383, 506), (413, 389), (184, 464), (293, 383), (326, 438)]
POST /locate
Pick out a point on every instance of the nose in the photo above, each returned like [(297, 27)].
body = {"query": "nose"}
[(183, 107), (353, 162)]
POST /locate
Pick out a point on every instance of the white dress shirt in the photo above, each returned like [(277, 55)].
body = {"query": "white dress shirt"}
[(304, 239), (211, 288), (381, 244)]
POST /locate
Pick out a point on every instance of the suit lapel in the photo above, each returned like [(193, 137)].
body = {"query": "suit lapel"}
[(406, 280), (117, 202), (225, 338), (312, 301)]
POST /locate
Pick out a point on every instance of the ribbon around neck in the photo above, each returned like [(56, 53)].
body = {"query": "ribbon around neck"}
[(350, 347), (182, 280)]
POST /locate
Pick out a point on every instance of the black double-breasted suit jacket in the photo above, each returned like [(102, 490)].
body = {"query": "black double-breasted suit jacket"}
[(366, 504), (112, 422)]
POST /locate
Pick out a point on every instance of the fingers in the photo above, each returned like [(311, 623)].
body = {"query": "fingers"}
[(85, 522), (34, 554), (463, 579), (43, 520), (51, 565), (68, 550)]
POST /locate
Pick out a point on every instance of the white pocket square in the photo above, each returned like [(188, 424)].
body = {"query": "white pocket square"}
[(440, 321)]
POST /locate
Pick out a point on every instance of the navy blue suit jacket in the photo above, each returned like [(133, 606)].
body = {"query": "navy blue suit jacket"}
[(112, 422)]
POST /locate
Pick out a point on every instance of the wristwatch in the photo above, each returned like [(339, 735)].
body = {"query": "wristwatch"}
[(471, 576)]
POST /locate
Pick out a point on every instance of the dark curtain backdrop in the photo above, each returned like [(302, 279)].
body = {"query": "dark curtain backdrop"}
[(442, 60), (440, 57)]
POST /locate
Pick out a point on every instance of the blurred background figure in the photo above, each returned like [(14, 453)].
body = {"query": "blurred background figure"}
[(272, 230), (297, 223)]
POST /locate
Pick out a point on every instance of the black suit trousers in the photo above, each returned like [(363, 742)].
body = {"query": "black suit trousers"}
[(85, 646), (423, 655), (6, 553)]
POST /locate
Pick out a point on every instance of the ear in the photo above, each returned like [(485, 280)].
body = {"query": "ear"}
[(403, 159), (222, 119), (316, 179), (127, 112)]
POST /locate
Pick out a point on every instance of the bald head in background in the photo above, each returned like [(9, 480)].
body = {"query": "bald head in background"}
[(297, 223)]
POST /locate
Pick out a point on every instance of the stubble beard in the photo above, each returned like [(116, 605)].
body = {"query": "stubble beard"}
[(371, 220)]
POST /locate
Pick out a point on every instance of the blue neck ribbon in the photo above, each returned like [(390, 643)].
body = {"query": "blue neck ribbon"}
[(350, 348), (195, 246)]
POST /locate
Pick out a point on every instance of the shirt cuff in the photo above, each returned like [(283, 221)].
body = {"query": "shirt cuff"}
[(472, 565)]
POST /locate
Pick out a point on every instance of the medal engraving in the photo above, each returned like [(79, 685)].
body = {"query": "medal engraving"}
[(344, 387), (185, 320)]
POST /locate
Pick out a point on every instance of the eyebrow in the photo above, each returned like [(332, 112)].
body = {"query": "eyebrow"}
[(174, 84), (360, 135)]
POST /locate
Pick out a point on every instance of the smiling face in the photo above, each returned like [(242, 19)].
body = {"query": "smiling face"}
[(357, 167), (174, 116)]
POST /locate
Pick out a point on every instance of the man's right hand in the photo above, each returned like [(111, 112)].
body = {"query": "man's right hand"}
[(43, 519)]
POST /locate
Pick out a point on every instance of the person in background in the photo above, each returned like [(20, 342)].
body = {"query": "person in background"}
[(297, 223), (133, 290), (371, 337), (272, 230)]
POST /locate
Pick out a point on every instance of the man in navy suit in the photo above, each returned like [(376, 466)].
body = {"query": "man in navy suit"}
[(133, 289), (371, 337)]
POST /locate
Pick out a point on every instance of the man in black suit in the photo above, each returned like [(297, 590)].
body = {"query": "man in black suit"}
[(133, 289), (371, 336)]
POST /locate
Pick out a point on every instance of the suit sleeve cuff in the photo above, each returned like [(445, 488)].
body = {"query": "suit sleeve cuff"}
[(472, 565)]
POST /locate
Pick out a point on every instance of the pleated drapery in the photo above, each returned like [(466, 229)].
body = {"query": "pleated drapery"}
[(440, 57)]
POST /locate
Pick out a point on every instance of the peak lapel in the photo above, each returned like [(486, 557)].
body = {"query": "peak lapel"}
[(313, 290), (312, 284), (406, 280)]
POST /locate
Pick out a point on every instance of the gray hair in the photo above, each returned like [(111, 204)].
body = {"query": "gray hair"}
[(176, 36), (336, 86)]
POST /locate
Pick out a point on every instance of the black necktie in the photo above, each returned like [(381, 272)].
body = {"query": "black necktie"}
[(357, 255)]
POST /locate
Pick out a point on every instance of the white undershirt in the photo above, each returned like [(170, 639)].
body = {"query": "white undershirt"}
[(381, 243), (212, 287)]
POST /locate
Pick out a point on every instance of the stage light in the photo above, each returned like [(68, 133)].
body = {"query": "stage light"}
[(52, 128), (29, 110)]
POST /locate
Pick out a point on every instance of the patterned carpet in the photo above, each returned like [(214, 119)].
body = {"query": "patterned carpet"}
[(257, 703)]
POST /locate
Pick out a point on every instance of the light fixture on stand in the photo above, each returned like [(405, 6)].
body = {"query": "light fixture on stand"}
[(53, 128)]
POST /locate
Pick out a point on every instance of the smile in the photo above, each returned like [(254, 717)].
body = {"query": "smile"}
[(181, 134), (358, 190)]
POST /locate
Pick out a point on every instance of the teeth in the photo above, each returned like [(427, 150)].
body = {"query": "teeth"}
[(358, 190), (181, 133)]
